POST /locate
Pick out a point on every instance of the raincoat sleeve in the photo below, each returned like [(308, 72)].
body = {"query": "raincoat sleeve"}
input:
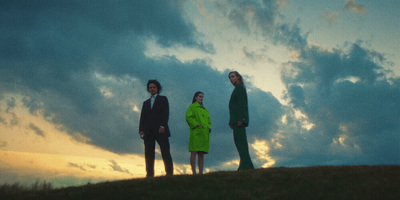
[(208, 120), (191, 118)]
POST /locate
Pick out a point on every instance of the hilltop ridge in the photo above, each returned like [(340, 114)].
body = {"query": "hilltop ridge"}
[(321, 182)]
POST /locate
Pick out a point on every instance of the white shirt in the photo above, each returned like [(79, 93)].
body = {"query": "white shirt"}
[(152, 99)]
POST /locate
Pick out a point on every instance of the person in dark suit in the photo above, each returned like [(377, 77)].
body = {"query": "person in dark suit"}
[(153, 126), (239, 119)]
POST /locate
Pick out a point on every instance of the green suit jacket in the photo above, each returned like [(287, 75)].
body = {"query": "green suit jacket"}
[(238, 108)]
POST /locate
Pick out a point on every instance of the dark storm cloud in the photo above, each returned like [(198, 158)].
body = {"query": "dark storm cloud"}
[(57, 39), (347, 94), (48, 45), (290, 36), (53, 50)]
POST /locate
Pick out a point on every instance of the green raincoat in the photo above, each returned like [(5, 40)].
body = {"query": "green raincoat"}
[(199, 138)]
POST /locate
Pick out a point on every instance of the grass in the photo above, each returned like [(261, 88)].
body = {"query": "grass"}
[(16, 188), (328, 182)]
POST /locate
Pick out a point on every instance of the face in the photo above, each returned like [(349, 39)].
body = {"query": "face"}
[(234, 79), (199, 98), (153, 90)]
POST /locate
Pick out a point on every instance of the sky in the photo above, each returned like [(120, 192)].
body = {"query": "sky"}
[(323, 83)]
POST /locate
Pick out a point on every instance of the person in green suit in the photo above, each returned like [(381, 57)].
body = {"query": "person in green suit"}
[(239, 119), (198, 119)]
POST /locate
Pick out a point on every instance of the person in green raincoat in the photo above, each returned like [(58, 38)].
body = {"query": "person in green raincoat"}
[(198, 119), (239, 119)]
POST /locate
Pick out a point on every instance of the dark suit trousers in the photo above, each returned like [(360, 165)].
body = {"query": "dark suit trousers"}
[(240, 138), (149, 151)]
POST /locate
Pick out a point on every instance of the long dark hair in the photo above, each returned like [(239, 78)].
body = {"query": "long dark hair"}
[(155, 82), (195, 95)]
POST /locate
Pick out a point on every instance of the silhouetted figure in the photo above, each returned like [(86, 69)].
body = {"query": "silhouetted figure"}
[(239, 119), (153, 126)]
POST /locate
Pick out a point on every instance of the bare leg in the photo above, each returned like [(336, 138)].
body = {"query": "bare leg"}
[(201, 162), (193, 161)]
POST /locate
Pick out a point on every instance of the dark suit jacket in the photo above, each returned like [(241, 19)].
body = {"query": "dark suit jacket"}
[(151, 119), (238, 108)]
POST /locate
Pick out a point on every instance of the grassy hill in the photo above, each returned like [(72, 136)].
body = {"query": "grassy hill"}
[(344, 182)]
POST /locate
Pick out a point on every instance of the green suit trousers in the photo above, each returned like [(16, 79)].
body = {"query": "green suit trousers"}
[(240, 138)]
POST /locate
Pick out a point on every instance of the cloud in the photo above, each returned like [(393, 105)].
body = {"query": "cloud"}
[(250, 16), (74, 165), (62, 55), (349, 100), (36, 130), (3, 144), (252, 55), (3, 121), (263, 19), (82, 167), (10, 104), (290, 36), (114, 165), (352, 5), (15, 120), (331, 17)]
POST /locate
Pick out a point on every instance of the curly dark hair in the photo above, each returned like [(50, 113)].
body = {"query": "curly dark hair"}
[(155, 82)]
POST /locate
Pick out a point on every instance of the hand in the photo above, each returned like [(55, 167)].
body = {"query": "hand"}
[(161, 130), (239, 123), (199, 126), (231, 126), (142, 134)]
